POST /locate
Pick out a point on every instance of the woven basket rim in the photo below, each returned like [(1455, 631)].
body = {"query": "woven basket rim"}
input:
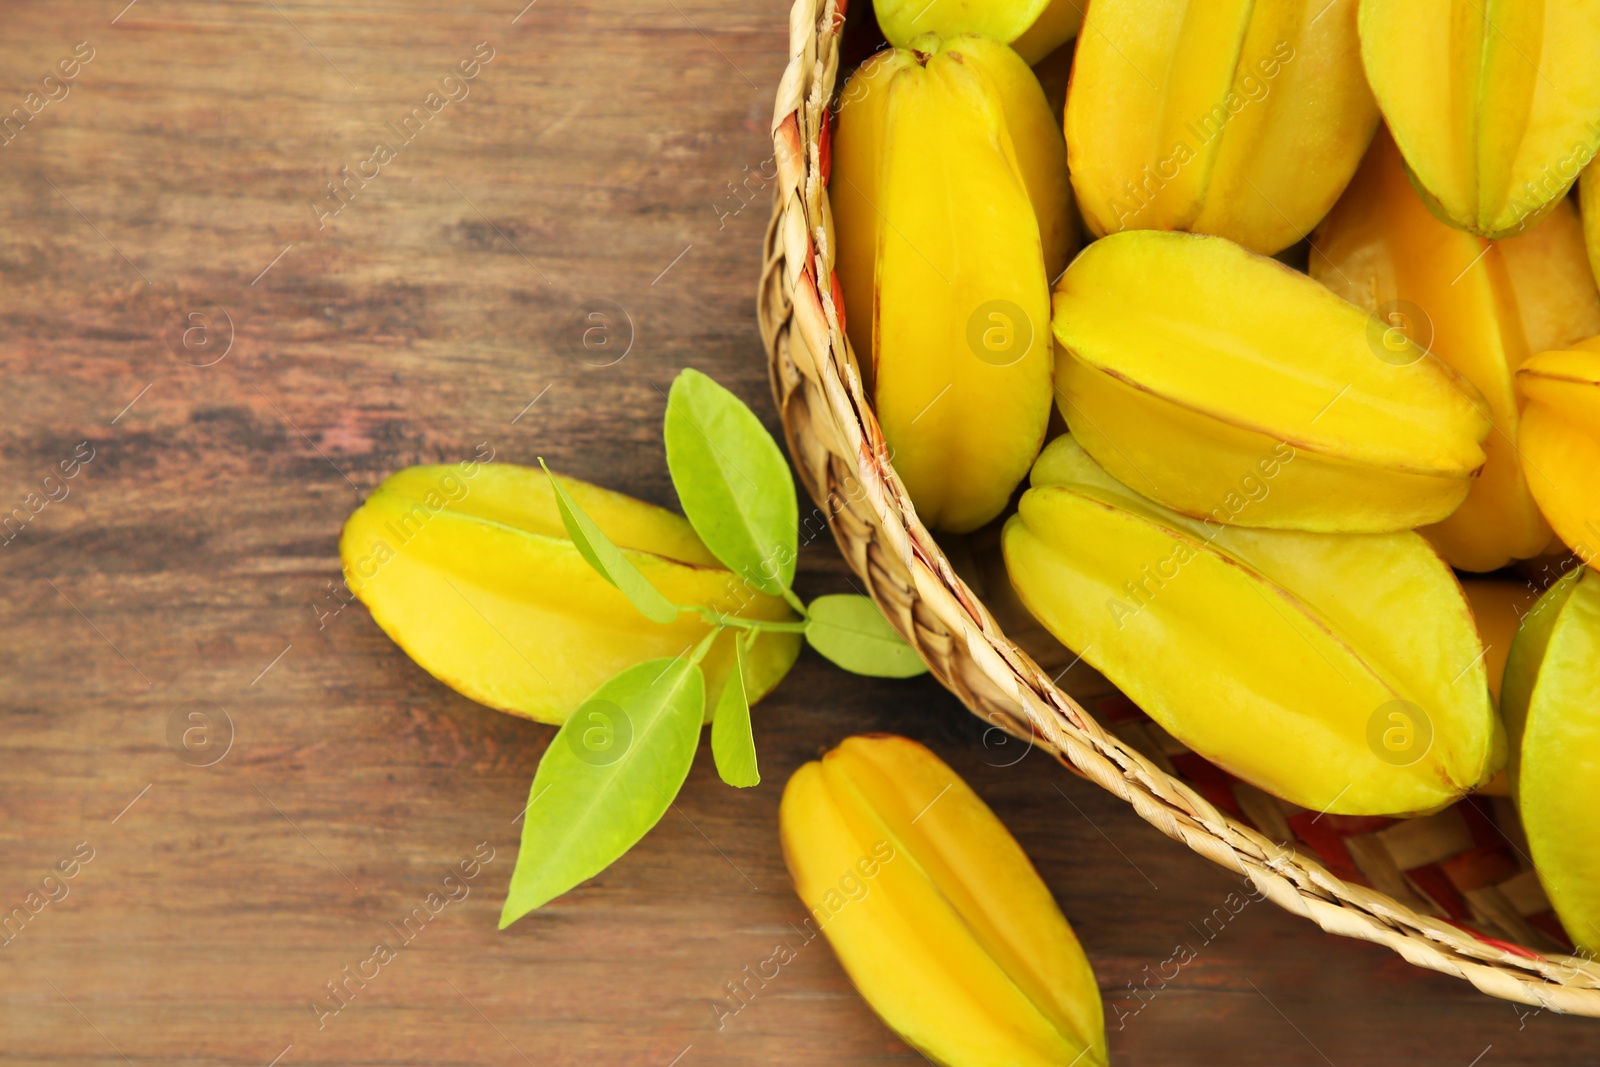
[(841, 457)]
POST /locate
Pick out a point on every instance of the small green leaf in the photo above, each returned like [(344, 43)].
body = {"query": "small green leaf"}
[(608, 559), (608, 776), (852, 632), (733, 482), (732, 743)]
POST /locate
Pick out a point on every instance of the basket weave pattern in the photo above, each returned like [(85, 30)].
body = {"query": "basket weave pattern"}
[(841, 456)]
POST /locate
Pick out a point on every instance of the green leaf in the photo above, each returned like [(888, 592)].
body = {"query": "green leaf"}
[(732, 743), (608, 776), (733, 482), (852, 632), (608, 559)]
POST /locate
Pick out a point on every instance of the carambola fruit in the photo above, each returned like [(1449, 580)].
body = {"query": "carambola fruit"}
[(1190, 361), (951, 206), (1495, 104), (1560, 442), (1231, 117), (1034, 28), (935, 912), (1481, 306), (469, 569), (1552, 707), (1340, 672)]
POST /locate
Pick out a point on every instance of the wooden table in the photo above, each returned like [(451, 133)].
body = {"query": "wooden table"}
[(171, 208)]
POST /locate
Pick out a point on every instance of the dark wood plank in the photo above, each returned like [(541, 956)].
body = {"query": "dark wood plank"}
[(589, 168)]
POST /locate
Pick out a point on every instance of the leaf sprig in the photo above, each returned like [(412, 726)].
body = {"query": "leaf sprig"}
[(617, 763)]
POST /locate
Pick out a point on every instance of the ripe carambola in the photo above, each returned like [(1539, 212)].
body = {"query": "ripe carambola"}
[(1034, 28), (1481, 306), (1552, 706), (1560, 442), (1495, 104), (1341, 672), (952, 209), (1239, 118), (469, 569), (935, 911), (1179, 388)]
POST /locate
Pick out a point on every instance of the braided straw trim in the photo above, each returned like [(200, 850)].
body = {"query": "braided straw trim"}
[(841, 456)]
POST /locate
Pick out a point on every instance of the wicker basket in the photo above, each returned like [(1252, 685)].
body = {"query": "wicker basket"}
[(1371, 879)]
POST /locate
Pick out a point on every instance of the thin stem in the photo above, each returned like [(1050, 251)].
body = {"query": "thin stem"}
[(734, 621)]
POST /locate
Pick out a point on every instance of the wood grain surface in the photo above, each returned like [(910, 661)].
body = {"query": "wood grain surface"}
[(167, 204)]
